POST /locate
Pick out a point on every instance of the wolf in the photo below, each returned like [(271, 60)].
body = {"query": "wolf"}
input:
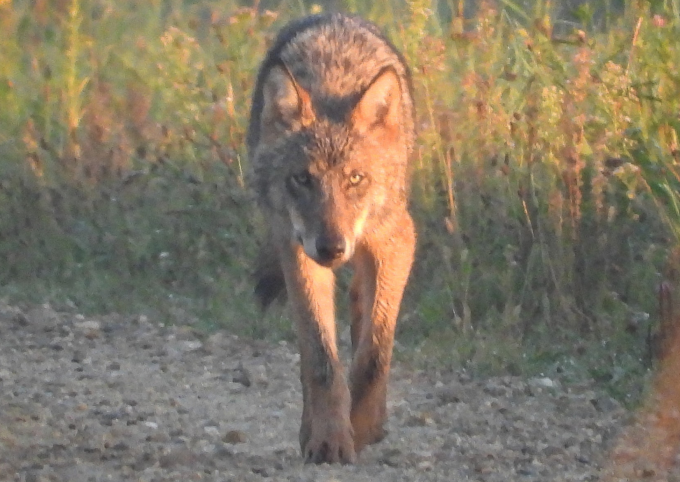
[(330, 135)]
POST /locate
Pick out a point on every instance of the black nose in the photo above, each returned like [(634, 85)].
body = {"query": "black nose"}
[(330, 248)]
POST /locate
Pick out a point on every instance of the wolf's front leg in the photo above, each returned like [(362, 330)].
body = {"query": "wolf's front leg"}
[(326, 431), (382, 267)]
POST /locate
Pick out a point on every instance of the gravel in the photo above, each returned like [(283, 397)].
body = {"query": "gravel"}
[(124, 398)]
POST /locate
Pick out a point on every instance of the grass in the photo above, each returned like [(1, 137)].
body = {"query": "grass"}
[(545, 183)]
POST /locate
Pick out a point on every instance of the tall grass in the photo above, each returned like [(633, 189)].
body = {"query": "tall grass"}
[(545, 182)]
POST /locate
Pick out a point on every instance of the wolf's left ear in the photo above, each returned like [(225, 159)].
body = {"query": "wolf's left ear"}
[(287, 106), (380, 105)]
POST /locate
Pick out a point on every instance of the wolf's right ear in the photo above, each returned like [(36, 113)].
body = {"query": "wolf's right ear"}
[(380, 105), (287, 106)]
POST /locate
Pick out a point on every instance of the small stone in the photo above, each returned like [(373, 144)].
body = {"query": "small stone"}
[(234, 437), (190, 345), (646, 472), (544, 382), (448, 395), (605, 404), (20, 319), (391, 457), (494, 389), (91, 329), (108, 418), (258, 375), (582, 459), (208, 448), (78, 356), (261, 471), (88, 325), (242, 376), (420, 420)]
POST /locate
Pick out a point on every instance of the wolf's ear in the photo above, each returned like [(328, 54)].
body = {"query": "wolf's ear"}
[(380, 105), (286, 107)]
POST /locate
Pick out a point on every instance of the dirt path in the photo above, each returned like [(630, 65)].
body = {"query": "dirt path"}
[(124, 399)]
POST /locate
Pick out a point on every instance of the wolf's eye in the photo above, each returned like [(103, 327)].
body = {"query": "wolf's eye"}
[(302, 179), (355, 178)]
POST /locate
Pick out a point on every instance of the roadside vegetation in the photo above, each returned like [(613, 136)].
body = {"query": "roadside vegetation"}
[(546, 180)]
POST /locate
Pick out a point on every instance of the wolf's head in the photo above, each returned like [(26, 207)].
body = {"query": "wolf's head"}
[(333, 167)]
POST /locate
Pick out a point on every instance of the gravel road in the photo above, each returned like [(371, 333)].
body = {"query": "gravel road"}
[(125, 399)]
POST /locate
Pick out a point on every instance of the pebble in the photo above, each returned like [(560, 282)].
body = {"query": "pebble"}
[(235, 437), (89, 325), (242, 376), (190, 345), (544, 382)]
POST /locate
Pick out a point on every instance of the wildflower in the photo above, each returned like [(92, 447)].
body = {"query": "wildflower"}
[(658, 21)]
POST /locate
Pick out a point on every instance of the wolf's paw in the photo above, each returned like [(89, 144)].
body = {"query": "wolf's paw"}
[(328, 441), (368, 435), (368, 422)]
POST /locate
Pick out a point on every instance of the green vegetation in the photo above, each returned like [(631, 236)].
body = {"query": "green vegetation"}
[(546, 183)]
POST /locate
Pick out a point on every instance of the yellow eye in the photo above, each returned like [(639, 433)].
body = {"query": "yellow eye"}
[(355, 178)]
